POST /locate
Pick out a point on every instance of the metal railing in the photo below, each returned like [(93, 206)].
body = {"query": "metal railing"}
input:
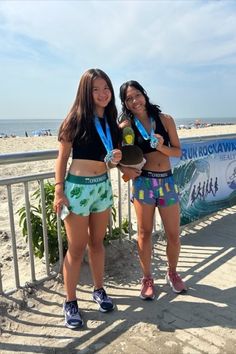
[(25, 181)]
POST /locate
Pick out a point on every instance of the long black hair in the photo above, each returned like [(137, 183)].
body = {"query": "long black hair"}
[(79, 120), (153, 110)]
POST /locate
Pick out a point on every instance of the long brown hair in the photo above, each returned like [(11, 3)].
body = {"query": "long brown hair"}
[(79, 120)]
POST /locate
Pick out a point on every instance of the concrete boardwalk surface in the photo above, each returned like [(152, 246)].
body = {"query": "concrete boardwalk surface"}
[(201, 321)]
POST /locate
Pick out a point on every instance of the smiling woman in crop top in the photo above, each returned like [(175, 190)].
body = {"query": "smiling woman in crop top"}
[(154, 186), (90, 131)]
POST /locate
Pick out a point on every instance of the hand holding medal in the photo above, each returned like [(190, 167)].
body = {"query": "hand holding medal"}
[(113, 156), (116, 156), (154, 141)]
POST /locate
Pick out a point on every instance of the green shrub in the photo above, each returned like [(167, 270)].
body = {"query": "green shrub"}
[(51, 221)]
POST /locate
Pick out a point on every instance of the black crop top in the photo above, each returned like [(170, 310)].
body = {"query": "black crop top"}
[(93, 149), (145, 144)]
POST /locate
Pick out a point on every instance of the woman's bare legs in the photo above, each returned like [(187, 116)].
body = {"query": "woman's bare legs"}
[(97, 229), (170, 217), (81, 231), (77, 237), (145, 214)]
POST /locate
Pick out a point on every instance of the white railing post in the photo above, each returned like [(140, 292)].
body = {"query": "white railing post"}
[(13, 236), (44, 223), (29, 232)]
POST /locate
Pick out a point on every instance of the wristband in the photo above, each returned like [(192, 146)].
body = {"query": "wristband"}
[(58, 183)]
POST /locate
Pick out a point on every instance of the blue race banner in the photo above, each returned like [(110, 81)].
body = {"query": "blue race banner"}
[(206, 176)]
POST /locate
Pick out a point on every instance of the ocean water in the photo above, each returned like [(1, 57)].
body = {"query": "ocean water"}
[(20, 127), (207, 120)]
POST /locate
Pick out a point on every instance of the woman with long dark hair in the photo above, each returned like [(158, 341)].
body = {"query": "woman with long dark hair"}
[(83, 196), (154, 186)]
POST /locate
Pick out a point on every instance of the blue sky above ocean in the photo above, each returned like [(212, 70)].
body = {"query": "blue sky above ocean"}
[(182, 52)]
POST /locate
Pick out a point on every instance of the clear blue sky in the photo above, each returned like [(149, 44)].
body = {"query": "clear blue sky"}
[(182, 52)]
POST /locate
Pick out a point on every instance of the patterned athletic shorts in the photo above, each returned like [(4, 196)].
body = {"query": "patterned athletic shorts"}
[(155, 188), (88, 194)]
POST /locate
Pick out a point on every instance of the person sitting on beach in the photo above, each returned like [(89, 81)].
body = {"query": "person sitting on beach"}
[(154, 186), (91, 132)]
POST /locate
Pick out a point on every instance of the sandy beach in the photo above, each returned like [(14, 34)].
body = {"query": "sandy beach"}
[(122, 254), (20, 144)]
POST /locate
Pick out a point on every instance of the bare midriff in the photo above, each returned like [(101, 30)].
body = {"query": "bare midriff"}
[(156, 162), (87, 167)]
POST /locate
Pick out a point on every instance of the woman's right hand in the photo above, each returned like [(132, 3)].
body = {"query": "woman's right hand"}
[(59, 200), (130, 172), (124, 124)]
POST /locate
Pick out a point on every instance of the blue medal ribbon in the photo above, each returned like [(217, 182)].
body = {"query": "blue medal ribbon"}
[(146, 136), (106, 139)]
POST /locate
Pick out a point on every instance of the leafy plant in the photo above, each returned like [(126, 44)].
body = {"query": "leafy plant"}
[(37, 224), (51, 221)]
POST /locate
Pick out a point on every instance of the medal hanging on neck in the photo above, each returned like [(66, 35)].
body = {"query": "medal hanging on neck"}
[(106, 139), (146, 136)]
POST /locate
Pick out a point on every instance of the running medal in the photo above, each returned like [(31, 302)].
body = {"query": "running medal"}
[(153, 139), (106, 138), (108, 157)]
